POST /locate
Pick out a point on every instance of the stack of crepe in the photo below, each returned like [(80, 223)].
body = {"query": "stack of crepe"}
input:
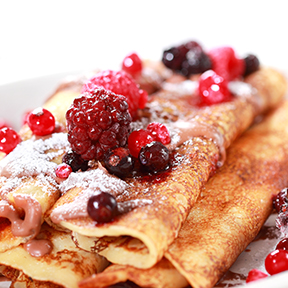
[(175, 231)]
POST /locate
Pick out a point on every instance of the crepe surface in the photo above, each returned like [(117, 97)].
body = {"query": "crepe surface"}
[(134, 238), (227, 216)]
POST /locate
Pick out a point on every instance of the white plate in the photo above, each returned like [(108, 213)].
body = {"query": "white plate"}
[(19, 97)]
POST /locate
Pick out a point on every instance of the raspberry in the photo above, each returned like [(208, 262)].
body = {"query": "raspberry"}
[(132, 64), (138, 139), (213, 88), (159, 132), (41, 122), (9, 139), (226, 64), (97, 122), (119, 82)]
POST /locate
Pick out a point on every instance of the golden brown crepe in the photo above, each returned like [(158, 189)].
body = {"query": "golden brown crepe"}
[(65, 265), (141, 237), (227, 216)]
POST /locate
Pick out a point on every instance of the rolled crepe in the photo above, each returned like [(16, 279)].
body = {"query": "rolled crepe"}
[(227, 216), (160, 204), (65, 265)]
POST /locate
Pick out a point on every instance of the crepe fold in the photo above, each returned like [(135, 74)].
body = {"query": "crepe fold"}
[(65, 265), (160, 204), (227, 216)]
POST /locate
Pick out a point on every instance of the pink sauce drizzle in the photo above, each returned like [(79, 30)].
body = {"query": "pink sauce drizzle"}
[(31, 224), (38, 248)]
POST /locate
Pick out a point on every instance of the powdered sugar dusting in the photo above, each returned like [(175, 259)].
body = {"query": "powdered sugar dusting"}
[(92, 182), (32, 158)]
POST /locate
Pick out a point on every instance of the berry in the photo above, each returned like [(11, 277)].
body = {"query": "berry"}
[(283, 244), (63, 171), (132, 64), (280, 201), (213, 88), (75, 161), (137, 140), (119, 82), (251, 64), (102, 207), (254, 275), (97, 122), (188, 59), (226, 64), (154, 157), (276, 261), (159, 132), (9, 139), (41, 122), (119, 162)]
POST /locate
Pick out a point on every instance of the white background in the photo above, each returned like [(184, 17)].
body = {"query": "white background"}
[(45, 37)]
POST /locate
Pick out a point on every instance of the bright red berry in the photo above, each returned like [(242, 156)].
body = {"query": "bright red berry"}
[(41, 121), (254, 275), (119, 82), (226, 64), (276, 261), (213, 88), (132, 64), (97, 122), (63, 171), (159, 132), (137, 140), (9, 139)]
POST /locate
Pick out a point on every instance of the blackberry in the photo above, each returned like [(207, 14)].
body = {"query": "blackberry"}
[(96, 122), (251, 64), (187, 59), (75, 161), (154, 157)]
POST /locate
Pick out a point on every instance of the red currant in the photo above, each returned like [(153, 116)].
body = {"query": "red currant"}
[(137, 140), (283, 244), (276, 261), (63, 171), (159, 132), (132, 64), (9, 139), (102, 207), (254, 275), (41, 122), (213, 88)]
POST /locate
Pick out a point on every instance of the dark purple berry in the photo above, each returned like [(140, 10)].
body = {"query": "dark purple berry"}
[(187, 59), (102, 207), (283, 244), (75, 161), (127, 284), (280, 200), (119, 162), (154, 157), (251, 64)]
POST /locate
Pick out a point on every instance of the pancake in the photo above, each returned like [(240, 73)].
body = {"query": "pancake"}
[(227, 216), (158, 205)]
